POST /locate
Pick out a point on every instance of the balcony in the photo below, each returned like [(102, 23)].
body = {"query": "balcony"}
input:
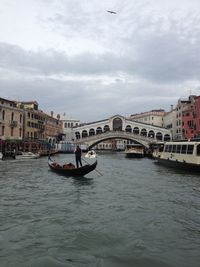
[(13, 123)]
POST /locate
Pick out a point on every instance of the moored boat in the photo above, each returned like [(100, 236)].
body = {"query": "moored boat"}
[(135, 151), (70, 169), (183, 155), (26, 155)]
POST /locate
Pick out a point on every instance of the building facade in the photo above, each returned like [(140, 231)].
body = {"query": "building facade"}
[(68, 124), (153, 117), (11, 120)]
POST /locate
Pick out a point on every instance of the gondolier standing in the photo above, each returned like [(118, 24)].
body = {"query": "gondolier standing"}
[(78, 154)]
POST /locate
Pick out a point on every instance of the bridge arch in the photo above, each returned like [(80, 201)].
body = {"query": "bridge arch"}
[(111, 138)]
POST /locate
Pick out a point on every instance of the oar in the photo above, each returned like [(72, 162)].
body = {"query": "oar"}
[(94, 169)]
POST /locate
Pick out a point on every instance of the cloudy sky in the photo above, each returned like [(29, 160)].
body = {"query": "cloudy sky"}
[(74, 57)]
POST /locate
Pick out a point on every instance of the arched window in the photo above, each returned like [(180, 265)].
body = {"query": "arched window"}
[(99, 130), (159, 136), (151, 134), (128, 129), (136, 130), (91, 132), (117, 124), (143, 132), (106, 128), (167, 137), (77, 134), (84, 133)]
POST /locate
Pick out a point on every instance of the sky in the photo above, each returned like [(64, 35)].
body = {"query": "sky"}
[(75, 58)]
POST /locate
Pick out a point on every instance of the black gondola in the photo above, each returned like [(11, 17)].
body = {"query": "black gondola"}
[(70, 170)]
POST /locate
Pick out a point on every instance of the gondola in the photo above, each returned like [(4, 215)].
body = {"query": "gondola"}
[(70, 169)]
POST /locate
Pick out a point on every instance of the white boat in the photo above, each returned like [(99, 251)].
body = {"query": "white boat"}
[(135, 151), (91, 154), (184, 155), (26, 155)]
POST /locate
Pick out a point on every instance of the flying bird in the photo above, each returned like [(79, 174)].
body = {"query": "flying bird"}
[(111, 12)]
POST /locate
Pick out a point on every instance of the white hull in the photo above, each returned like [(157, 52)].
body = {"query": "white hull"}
[(91, 154), (134, 152), (27, 155)]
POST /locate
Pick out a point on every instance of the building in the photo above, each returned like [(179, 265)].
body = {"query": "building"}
[(184, 118), (11, 120), (67, 125), (34, 121), (53, 128), (153, 117), (169, 121)]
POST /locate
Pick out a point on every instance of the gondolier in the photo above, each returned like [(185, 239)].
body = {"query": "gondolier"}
[(78, 154)]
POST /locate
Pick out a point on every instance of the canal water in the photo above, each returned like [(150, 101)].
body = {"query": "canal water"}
[(137, 214)]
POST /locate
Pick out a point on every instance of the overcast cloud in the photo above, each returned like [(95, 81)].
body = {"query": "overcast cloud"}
[(74, 57)]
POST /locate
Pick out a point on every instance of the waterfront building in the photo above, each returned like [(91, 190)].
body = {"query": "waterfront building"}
[(53, 128), (184, 118), (34, 121), (196, 115), (11, 120), (153, 117), (67, 125), (169, 121)]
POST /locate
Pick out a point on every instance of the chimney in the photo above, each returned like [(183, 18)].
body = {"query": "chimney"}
[(52, 114), (58, 116)]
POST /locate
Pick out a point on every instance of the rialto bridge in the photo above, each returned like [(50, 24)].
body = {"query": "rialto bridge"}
[(119, 127)]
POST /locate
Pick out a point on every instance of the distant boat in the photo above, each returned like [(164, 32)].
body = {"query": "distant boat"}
[(26, 155), (135, 151), (48, 152)]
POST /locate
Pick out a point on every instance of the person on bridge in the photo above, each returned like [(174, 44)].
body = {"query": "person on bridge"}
[(78, 154)]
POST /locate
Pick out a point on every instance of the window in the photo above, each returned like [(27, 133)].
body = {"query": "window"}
[(184, 149), (170, 148), (3, 130), (3, 115), (190, 149), (174, 149), (20, 118), (12, 131), (178, 149)]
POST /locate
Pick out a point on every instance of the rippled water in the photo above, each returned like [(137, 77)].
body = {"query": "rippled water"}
[(136, 214)]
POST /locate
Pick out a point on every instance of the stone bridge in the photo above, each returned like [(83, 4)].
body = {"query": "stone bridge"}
[(119, 127)]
